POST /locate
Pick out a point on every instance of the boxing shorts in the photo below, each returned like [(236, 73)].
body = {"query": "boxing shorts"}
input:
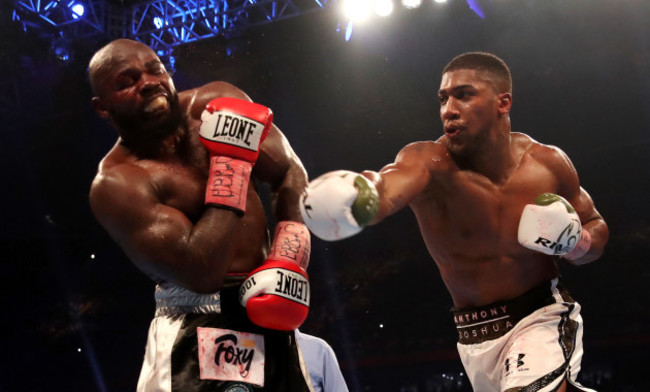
[(530, 343), (200, 343)]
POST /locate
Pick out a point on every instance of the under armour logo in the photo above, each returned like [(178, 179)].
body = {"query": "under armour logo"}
[(519, 362)]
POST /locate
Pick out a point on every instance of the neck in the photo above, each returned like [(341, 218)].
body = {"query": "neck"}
[(494, 159), (152, 148)]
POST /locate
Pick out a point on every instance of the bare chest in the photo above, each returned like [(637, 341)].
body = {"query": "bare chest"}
[(466, 213), (179, 184)]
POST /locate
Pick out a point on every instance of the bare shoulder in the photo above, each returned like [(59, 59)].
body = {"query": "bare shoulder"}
[(195, 99), (554, 160), (430, 154), (118, 182), (547, 154), (422, 149)]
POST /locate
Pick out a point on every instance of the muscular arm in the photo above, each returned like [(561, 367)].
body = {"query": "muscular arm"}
[(160, 239), (400, 182), (277, 164), (592, 221), (281, 168)]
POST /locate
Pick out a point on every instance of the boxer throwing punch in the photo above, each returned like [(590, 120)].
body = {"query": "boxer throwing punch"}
[(175, 192), (494, 207)]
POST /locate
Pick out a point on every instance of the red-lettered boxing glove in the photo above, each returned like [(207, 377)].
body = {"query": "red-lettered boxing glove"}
[(276, 295), (232, 131)]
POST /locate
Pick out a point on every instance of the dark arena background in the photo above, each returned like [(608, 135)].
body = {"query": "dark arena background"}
[(76, 311)]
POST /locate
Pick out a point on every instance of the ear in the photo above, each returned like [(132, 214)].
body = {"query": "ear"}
[(100, 108), (505, 103)]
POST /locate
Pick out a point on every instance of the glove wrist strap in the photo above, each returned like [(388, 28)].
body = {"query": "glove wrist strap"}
[(582, 247), (228, 182)]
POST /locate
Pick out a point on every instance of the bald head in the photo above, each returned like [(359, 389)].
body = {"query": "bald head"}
[(110, 56)]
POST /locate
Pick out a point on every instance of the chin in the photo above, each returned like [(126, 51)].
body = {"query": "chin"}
[(150, 127)]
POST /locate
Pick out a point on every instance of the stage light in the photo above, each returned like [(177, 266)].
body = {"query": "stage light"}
[(383, 7), (78, 10), (357, 10), (172, 64), (348, 31), (158, 22), (60, 48), (62, 53), (411, 4), (476, 7)]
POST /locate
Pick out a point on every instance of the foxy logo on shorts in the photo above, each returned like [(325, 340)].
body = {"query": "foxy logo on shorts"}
[(228, 355)]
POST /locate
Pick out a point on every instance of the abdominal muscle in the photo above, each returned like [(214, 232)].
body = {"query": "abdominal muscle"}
[(483, 263)]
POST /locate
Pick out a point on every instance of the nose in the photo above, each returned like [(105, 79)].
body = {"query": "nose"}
[(150, 83), (449, 110)]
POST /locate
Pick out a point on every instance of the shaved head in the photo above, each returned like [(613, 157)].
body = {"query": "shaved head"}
[(109, 56)]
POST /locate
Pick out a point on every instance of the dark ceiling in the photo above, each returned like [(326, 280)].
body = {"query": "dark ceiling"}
[(581, 81)]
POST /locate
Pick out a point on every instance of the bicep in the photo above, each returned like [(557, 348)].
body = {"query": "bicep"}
[(146, 229), (570, 189), (277, 159)]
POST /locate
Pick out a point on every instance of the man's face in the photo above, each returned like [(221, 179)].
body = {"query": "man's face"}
[(468, 109), (138, 94)]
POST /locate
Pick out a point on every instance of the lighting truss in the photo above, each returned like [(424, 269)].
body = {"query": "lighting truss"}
[(161, 24), (58, 17)]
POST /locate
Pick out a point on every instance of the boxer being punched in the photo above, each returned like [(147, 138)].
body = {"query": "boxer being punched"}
[(176, 193), (496, 210)]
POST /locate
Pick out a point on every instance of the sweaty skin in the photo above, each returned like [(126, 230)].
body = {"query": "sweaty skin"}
[(469, 188), (149, 189)]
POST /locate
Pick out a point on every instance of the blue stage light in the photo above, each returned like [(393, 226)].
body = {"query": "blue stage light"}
[(78, 10), (348, 31), (158, 22), (62, 53)]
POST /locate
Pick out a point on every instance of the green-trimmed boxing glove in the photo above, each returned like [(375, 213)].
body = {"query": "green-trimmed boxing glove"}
[(552, 226), (338, 204)]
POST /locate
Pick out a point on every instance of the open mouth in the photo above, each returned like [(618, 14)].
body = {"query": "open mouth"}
[(452, 130), (159, 103)]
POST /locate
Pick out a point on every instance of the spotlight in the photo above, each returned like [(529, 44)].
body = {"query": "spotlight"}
[(78, 10), (61, 50), (357, 10), (62, 53), (383, 7), (158, 22), (411, 4)]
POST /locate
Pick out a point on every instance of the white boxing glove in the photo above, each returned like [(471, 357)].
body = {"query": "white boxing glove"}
[(338, 204), (552, 226)]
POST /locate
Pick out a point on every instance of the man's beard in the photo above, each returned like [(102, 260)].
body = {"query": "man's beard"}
[(143, 131)]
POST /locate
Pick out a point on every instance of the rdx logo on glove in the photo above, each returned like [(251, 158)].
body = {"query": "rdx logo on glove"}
[(551, 226), (566, 241)]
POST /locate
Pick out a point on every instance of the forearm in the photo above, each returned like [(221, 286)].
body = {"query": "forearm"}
[(395, 191), (286, 195), (193, 255)]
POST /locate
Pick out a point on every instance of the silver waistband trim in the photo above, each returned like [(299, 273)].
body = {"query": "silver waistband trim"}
[(174, 300)]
